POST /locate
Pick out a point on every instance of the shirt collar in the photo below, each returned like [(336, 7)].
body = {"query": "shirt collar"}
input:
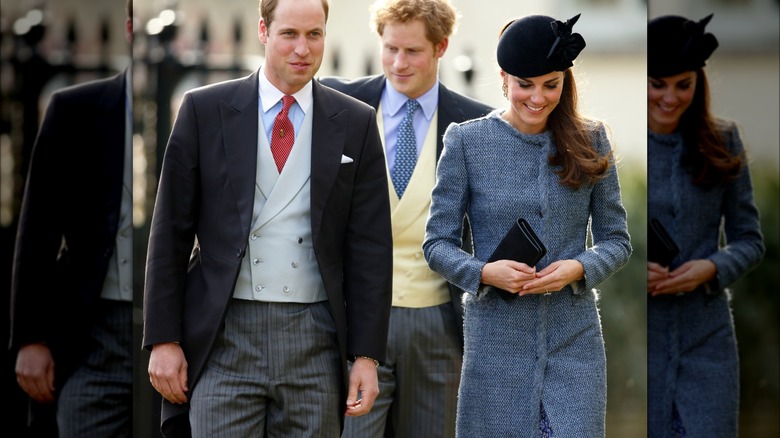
[(270, 95), (393, 101)]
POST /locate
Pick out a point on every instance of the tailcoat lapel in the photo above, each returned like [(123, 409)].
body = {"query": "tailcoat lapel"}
[(239, 130), (327, 145), (109, 115)]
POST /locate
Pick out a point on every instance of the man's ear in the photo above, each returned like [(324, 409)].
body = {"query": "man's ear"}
[(262, 31), (440, 48), (129, 30)]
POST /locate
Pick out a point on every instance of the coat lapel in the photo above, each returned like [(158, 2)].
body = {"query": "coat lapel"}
[(239, 131), (328, 139), (370, 91)]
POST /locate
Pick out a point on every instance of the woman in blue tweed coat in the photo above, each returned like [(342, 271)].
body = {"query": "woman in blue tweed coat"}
[(534, 364), (698, 184)]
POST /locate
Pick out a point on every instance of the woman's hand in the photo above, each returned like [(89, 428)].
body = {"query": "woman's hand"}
[(655, 274), (507, 274), (686, 278), (554, 277)]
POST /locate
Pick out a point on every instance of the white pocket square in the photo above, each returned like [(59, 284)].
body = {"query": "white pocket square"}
[(345, 159)]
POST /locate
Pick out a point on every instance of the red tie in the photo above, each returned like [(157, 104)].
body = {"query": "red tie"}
[(283, 136)]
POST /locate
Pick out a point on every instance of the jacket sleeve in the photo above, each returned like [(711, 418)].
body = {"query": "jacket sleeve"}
[(611, 247), (443, 241), (368, 251), (172, 231), (744, 243)]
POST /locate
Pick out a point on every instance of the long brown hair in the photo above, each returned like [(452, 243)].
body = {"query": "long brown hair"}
[(706, 157), (572, 134)]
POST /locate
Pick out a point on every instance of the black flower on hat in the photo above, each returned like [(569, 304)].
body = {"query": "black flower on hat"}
[(699, 44), (567, 45), (536, 45)]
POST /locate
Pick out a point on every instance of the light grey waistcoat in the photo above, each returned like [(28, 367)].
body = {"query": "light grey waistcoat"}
[(280, 265)]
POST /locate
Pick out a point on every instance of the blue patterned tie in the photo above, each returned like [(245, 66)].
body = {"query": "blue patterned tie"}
[(405, 150)]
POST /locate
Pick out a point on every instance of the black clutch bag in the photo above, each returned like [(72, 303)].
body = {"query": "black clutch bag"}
[(661, 248), (520, 244)]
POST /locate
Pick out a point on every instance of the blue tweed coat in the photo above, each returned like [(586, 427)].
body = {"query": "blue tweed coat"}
[(540, 349), (691, 346)]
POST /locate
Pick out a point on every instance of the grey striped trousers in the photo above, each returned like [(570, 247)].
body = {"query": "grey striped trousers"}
[(274, 371)]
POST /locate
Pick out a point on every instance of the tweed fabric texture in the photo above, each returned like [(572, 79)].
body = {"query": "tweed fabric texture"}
[(677, 427), (691, 344), (540, 349), (406, 151), (694, 215), (544, 425)]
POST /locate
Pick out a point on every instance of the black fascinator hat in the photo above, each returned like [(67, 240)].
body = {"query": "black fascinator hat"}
[(676, 44), (537, 44)]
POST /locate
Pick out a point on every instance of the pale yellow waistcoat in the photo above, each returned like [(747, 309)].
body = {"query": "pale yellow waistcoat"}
[(414, 283)]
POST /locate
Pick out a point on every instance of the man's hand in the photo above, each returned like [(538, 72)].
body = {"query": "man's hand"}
[(362, 378), (168, 372), (35, 372)]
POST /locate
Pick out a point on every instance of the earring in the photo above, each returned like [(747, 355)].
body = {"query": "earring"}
[(505, 89)]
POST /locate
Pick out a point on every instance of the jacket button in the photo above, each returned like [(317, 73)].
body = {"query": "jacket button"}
[(240, 253)]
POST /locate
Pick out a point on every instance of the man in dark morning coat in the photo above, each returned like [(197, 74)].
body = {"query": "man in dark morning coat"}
[(71, 296), (419, 380), (274, 277)]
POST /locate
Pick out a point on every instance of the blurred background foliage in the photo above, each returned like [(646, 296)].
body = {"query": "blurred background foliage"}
[(756, 309), (623, 315)]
